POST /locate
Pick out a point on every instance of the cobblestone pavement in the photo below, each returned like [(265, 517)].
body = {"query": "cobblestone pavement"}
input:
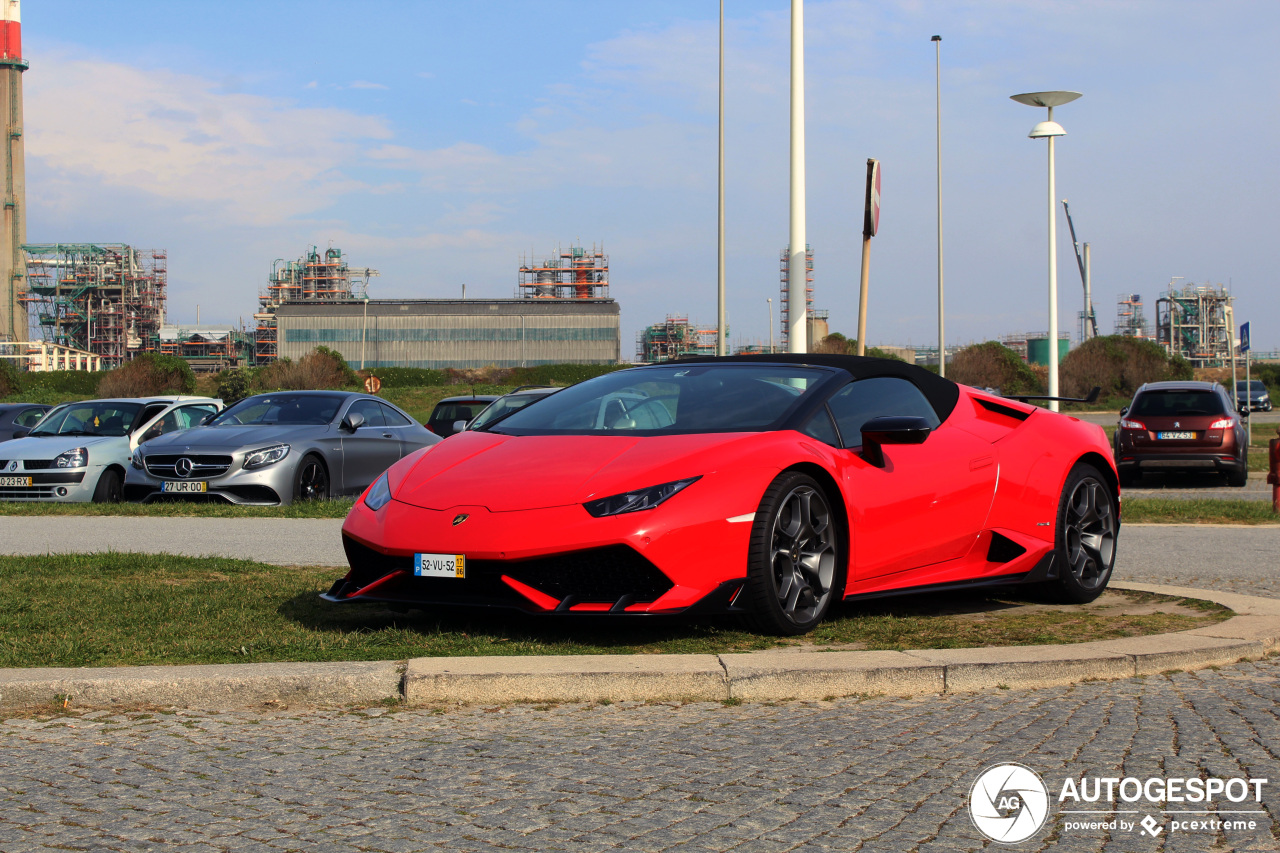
[(882, 774)]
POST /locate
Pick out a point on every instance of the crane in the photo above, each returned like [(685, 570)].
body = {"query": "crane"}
[(1091, 330)]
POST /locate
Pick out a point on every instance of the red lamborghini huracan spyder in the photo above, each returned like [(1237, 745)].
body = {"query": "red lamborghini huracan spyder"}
[(767, 485)]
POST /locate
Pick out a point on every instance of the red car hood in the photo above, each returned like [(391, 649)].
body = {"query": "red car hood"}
[(506, 473)]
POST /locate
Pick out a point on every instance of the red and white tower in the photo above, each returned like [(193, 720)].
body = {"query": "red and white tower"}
[(13, 231)]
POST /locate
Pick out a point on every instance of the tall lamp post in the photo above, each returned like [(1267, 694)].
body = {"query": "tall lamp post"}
[(1050, 130), (722, 344), (942, 346)]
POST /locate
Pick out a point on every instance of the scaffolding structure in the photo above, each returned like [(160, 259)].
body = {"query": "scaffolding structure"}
[(1192, 322), (1130, 320), (674, 338), (315, 277), (573, 273), (208, 349), (808, 294), (107, 299)]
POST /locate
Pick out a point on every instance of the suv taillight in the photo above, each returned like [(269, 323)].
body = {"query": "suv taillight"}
[(1133, 425), (1225, 423)]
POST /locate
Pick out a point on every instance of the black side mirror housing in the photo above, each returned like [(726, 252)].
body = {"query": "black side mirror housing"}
[(352, 422), (1124, 411), (894, 429), (20, 433)]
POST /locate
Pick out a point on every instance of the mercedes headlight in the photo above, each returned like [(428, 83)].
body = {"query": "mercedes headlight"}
[(77, 458), (379, 494), (136, 459), (266, 456), (636, 500)]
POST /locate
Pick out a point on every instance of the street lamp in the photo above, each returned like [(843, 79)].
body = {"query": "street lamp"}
[(1049, 130)]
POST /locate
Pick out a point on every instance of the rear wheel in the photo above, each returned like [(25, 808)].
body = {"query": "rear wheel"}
[(1086, 537), (311, 483), (1239, 479), (109, 489), (792, 571)]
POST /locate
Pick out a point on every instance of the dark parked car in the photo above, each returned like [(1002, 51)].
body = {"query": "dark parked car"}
[(508, 403), (1252, 396), (1181, 426), (450, 410), (15, 417)]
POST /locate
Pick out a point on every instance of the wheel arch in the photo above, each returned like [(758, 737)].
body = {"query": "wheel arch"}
[(1107, 468), (320, 457), (836, 498)]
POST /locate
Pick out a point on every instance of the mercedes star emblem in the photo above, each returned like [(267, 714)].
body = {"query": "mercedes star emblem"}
[(183, 467)]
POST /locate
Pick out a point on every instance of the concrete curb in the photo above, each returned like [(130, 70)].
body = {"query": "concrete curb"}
[(773, 675)]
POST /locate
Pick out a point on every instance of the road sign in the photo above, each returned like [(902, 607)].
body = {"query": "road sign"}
[(871, 212), (1244, 338), (373, 385)]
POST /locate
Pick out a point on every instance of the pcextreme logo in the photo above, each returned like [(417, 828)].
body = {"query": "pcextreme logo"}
[(1009, 803)]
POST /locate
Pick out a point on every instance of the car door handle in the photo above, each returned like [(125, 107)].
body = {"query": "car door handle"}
[(387, 435)]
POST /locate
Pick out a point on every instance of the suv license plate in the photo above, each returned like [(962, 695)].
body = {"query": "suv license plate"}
[(1175, 435), (15, 481), (440, 565), (184, 486)]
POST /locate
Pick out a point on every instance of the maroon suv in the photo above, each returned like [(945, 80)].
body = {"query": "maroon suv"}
[(1181, 426)]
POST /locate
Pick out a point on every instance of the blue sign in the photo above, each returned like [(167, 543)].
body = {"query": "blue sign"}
[(1244, 338)]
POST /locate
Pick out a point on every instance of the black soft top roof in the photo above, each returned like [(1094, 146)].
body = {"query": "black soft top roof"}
[(941, 393)]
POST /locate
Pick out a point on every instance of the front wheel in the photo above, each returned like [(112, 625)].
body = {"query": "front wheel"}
[(109, 489), (1086, 538), (311, 483), (793, 566)]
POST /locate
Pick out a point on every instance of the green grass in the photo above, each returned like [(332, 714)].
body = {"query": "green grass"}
[(184, 509), (120, 609), (1197, 511)]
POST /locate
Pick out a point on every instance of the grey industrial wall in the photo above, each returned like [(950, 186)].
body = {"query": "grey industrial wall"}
[(439, 333)]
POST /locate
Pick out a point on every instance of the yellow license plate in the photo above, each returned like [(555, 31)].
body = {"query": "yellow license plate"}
[(15, 481)]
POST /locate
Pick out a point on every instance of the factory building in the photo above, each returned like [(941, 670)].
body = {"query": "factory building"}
[(106, 299), (312, 278), (1196, 323), (458, 333), (674, 338), (13, 229)]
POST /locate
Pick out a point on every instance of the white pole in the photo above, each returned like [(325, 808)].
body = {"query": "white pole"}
[(942, 346), (770, 301), (1053, 283), (722, 345), (1088, 295), (797, 268)]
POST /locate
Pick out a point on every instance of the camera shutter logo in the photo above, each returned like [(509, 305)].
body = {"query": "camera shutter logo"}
[(1009, 803)]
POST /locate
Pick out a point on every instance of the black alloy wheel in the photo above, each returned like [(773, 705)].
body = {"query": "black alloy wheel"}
[(109, 489), (1088, 525), (312, 480), (793, 568)]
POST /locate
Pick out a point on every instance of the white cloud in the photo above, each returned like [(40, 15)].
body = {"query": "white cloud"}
[(177, 138)]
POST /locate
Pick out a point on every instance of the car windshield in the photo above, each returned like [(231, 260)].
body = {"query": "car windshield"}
[(1253, 386), (94, 417), (499, 409), (671, 399), (282, 408), (1177, 403)]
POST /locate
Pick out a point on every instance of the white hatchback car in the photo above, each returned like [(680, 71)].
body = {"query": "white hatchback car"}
[(80, 451)]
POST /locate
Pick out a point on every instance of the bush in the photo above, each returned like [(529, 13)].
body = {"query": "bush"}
[(10, 379), (1119, 365), (837, 344), (147, 374), (406, 377), (560, 374), (994, 365), (234, 385), (322, 368), (81, 384)]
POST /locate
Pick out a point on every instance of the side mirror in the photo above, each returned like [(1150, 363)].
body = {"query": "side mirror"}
[(891, 430), (19, 433), (352, 422), (1124, 411), (459, 426), (207, 418)]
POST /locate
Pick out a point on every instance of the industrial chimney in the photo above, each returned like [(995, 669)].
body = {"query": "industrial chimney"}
[(13, 271)]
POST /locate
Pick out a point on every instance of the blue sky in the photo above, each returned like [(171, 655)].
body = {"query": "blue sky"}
[(438, 142)]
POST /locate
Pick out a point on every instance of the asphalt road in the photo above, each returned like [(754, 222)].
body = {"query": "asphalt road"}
[(880, 773)]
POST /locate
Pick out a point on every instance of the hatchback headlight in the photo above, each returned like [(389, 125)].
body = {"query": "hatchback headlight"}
[(636, 500), (266, 456), (77, 458), (379, 494)]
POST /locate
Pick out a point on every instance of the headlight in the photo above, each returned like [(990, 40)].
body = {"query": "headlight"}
[(136, 460), (636, 500), (379, 494), (266, 456), (77, 458)]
